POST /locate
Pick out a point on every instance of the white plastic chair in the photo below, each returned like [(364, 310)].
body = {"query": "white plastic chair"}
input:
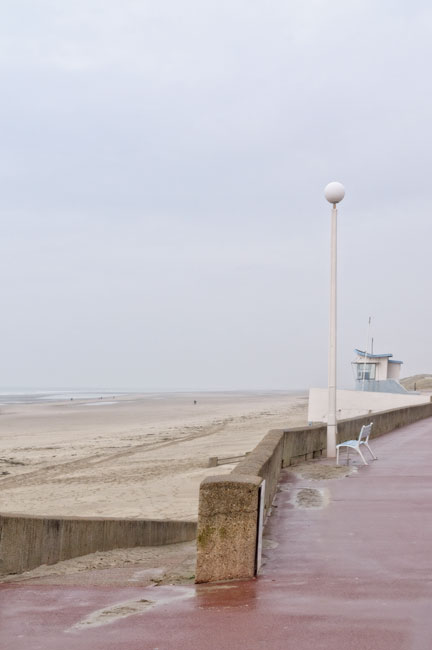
[(363, 439)]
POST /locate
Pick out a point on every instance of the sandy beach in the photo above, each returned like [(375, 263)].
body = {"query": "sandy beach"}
[(130, 455)]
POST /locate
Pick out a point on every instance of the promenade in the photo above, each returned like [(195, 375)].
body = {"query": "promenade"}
[(347, 566)]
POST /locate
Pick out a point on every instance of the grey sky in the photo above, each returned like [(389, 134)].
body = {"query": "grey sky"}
[(162, 210)]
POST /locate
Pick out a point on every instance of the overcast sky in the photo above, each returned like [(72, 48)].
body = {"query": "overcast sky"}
[(162, 167)]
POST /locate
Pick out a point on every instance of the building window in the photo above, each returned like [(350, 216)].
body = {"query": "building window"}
[(365, 371)]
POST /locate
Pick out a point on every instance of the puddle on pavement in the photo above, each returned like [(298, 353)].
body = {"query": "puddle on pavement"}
[(314, 498)]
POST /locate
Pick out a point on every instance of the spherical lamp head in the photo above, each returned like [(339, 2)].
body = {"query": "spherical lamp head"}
[(334, 192)]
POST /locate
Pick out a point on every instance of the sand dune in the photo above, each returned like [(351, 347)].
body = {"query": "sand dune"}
[(421, 383)]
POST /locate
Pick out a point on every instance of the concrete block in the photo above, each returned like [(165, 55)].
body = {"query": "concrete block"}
[(227, 528)]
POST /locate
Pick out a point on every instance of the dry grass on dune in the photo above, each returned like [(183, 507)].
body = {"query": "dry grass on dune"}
[(421, 382)]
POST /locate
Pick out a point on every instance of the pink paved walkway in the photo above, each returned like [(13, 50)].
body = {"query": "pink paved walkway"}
[(353, 575)]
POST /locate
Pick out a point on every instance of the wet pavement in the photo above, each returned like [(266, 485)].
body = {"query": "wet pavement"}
[(347, 566)]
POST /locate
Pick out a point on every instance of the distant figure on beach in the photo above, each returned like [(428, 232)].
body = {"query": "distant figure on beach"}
[(195, 401)]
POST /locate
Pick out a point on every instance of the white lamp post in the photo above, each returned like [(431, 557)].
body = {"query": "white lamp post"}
[(334, 193)]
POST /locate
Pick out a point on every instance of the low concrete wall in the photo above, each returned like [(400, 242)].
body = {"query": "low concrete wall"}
[(227, 501), (355, 403), (304, 443), (264, 461), (27, 542)]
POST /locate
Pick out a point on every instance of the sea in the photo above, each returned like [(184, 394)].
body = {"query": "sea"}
[(42, 395), (34, 396)]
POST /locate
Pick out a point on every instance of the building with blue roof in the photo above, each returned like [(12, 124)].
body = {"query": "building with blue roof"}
[(377, 372)]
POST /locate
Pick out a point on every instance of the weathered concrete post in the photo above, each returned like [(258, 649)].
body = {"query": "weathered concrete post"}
[(227, 527)]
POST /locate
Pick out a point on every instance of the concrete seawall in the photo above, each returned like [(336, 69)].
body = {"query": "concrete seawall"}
[(27, 542), (227, 535)]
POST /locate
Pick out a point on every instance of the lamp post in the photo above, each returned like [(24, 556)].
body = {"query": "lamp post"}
[(334, 193)]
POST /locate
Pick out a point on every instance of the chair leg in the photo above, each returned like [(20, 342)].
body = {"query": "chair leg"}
[(337, 456), (373, 455), (363, 458)]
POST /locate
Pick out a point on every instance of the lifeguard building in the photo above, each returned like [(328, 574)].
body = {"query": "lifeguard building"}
[(377, 388), (377, 373)]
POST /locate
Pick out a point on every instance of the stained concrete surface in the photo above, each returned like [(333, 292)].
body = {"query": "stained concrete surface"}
[(353, 572)]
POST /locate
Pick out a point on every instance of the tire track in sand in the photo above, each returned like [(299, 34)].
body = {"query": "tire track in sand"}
[(47, 473)]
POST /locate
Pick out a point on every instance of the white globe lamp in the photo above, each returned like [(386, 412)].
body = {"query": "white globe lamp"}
[(334, 192)]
